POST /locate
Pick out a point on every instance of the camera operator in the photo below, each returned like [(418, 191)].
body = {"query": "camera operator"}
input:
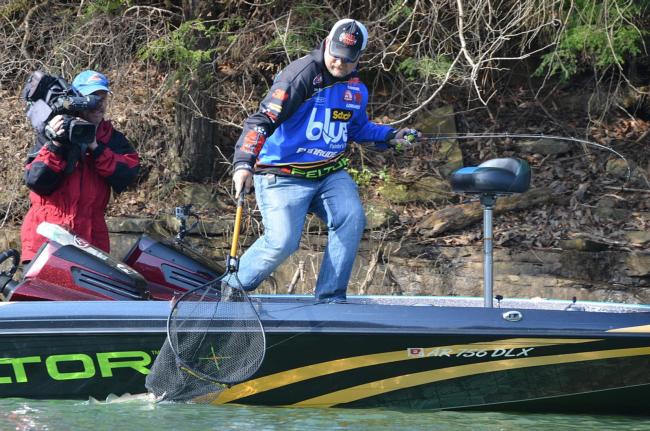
[(76, 196)]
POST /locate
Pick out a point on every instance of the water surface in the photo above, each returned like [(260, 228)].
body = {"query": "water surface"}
[(143, 415)]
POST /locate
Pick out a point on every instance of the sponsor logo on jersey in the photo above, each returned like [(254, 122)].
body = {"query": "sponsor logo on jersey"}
[(330, 131), (320, 171), (317, 152), (253, 142), (352, 106), (341, 115), (347, 96)]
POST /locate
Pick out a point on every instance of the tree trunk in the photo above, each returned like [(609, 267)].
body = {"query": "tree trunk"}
[(198, 136)]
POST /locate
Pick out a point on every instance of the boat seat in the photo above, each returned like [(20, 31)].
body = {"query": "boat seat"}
[(497, 177), (491, 179)]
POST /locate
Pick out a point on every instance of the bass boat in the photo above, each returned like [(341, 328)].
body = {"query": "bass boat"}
[(81, 324)]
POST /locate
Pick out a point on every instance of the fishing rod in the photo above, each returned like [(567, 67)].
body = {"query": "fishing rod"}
[(435, 137)]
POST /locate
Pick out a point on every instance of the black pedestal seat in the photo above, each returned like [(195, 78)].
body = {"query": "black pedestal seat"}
[(494, 177), (490, 179)]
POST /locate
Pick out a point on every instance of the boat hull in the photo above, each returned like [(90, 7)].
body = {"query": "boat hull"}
[(354, 355)]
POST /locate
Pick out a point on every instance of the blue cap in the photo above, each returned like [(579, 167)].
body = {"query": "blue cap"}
[(89, 81)]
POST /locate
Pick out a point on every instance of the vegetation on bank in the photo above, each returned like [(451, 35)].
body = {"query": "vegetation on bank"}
[(508, 65)]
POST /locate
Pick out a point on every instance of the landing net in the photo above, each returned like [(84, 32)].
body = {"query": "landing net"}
[(214, 339)]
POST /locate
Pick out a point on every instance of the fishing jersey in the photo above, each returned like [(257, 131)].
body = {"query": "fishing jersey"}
[(306, 120)]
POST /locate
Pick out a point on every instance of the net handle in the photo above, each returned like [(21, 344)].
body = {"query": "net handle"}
[(238, 217)]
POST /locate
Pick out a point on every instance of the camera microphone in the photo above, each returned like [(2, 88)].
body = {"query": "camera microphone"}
[(76, 103)]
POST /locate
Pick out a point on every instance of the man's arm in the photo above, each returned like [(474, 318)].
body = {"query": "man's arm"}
[(45, 166), (286, 95), (282, 100), (363, 130), (117, 161)]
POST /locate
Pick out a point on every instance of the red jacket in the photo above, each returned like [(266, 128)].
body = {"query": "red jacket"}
[(76, 199)]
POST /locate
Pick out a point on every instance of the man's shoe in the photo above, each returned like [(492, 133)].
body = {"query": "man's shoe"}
[(332, 301)]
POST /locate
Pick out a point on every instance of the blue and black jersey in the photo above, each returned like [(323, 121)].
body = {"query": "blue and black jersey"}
[(306, 120)]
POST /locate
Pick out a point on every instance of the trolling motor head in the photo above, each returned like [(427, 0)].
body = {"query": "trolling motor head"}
[(496, 177)]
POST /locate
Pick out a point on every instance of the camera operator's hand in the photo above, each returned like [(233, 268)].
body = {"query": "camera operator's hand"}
[(55, 128), (243, 180)]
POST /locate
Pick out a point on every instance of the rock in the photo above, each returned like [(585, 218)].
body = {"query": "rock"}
[(215, 227), (395, 193), (127, 224), (378, 215), (202, 197), (454, 156), (426, 189), (607, 202), (607, 209), (9, 238), (605, 212), (206, 226), (637, 265), (597, 101), (617, 168), (583, 244), (121, 244), (441, 121), (638, 237), (543, 146)]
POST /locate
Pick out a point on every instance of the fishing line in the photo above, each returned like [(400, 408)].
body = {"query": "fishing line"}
[(434, 137)]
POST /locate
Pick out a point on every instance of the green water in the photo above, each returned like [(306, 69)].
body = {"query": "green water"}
[(142, 415)]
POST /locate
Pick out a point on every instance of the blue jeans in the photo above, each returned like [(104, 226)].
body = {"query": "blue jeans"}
[(284, 203)]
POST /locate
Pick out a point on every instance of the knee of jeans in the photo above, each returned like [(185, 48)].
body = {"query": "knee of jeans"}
[(283, 244), (356, 217)]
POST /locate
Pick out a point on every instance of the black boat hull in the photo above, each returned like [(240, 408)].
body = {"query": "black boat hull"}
[(350, 355)]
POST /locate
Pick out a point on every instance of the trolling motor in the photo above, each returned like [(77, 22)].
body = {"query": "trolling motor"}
[(489, 180)]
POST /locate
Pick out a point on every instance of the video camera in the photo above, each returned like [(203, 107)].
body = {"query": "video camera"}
[(49, 95)]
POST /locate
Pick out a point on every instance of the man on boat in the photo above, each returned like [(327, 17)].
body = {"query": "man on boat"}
[(75, 193), (293, 147)]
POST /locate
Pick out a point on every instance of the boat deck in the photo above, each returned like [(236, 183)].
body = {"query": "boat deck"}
[(466, 301)]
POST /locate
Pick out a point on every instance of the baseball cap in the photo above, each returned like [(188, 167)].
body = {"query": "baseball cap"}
[(348, 39), (89, 81)]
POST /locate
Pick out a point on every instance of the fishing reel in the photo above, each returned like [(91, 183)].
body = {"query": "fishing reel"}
[(410, 137)]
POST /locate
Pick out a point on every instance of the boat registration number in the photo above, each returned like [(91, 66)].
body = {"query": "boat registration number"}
[(506, 352)]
